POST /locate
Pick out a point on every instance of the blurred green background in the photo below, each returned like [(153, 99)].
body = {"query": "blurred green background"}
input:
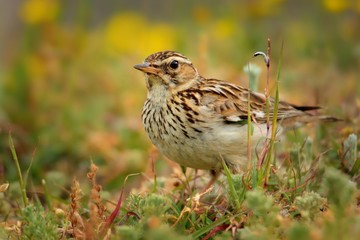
[(69, 93)]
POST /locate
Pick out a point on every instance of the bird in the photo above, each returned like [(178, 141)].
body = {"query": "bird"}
[(200, 122)]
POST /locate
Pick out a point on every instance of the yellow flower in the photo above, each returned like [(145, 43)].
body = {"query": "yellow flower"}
[(124, 31), (131, 33), (159, 37), (260, 8), (224, 28), (39, 11), (336, 5)]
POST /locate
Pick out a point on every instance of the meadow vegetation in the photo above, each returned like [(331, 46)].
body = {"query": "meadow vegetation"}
[(75, 162)]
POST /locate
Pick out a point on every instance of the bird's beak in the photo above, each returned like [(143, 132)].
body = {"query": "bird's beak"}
[(146, 68)]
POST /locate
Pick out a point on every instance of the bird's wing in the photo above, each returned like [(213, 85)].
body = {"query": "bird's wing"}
[(231, 103)]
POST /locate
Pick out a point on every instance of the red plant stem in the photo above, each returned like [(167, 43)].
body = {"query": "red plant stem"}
[(111, 218), (154, 173)]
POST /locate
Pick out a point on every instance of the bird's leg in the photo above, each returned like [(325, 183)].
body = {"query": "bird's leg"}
[(195, 177), (186, 183), (214, 176)]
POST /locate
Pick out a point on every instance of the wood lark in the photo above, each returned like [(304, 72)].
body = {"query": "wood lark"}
[(198, 122)]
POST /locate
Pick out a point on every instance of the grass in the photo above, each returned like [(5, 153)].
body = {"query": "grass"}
[(70, 94), (21, 181), (299, 200)]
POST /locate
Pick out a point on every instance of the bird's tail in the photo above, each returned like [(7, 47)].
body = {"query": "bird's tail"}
[(298, 121)]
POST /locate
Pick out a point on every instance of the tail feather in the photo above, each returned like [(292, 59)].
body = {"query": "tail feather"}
[(312, 117), (306, 108), (326, 118), (299, 121)]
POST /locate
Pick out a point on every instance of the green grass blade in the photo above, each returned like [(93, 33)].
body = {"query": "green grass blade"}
[(28, 169), (208, 228), (356, 168), (16, 160), (274, 121), (231, 185), (249, 125)]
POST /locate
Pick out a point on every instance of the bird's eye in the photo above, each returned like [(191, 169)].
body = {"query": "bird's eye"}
[(174, 64)]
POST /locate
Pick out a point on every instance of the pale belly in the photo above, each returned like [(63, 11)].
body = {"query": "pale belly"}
[(206, 150)]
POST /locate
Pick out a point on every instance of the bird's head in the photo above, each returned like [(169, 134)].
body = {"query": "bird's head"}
[(168, 69)]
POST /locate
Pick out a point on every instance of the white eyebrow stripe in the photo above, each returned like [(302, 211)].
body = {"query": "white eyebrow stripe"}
[(180, 59)]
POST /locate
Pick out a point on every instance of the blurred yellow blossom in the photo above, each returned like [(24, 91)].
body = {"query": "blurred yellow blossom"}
[(336, 5), (259, 8), (224, 28), (130, 32), (123, 31), (159, 37), (39, 11)]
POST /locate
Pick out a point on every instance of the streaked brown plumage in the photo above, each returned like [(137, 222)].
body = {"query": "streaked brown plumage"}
[(197, 122)]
